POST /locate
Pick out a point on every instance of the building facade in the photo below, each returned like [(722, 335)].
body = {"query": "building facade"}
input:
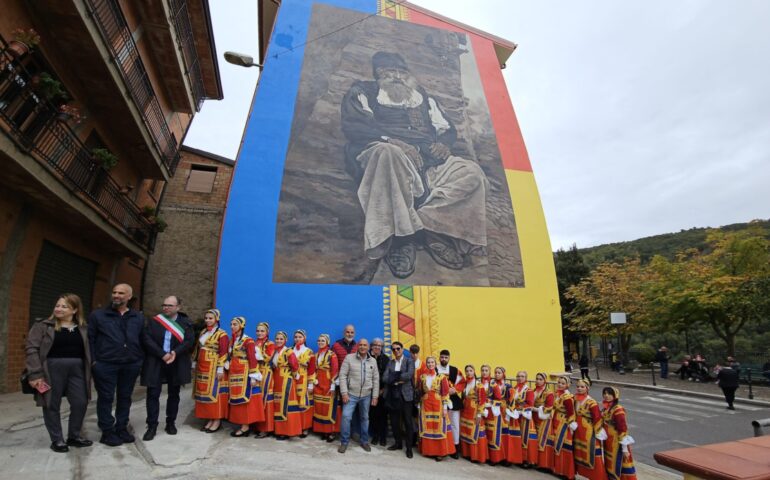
[(185, 258), (95, 98)]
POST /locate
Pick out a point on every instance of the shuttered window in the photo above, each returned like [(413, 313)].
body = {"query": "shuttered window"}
[(60, 271), (201, 178)]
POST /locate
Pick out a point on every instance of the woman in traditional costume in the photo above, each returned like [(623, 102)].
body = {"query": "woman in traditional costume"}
[(473, 435), (305, 382), (494, 415), (326, 407), (544, 399), (589, 455), (522, 438), (434, 426), (264, 349), (562, 429), (288, 418), (617, 448), (246, 405), (211, 392)]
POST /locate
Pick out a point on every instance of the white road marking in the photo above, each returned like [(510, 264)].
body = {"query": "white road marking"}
[(684, 409), (709, 402)]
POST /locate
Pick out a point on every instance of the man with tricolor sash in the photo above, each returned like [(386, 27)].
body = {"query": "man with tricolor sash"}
[(168, 342)]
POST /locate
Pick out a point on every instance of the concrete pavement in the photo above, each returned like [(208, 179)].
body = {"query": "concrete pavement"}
[(196, 455)]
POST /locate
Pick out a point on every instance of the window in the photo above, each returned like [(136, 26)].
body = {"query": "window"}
[(201, 178)]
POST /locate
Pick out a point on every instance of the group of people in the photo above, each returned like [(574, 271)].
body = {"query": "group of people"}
[(270, 387), (66, 355)]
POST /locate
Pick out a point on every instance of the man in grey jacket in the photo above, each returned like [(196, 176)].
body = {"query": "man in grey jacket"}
[(359, 387), (399, 397)]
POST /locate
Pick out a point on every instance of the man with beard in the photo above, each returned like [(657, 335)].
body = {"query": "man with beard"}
[(413, 190), (115, 340), (453, 375)]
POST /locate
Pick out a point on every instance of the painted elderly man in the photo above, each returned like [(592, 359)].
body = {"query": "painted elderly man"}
[(412, 188)]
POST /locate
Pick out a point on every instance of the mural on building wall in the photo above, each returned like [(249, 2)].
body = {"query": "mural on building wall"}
[(393, 174), (365, 101)]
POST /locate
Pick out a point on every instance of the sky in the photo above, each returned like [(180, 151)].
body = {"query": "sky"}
[(640, 118)]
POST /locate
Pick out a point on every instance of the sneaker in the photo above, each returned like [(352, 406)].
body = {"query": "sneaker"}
[(342, 448), (111, 439), (366, 447)]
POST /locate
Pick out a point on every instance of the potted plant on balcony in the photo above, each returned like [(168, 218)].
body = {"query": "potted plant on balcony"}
[(104, 158), (69, 113), (24, 41), (148, 211), (50, 88)]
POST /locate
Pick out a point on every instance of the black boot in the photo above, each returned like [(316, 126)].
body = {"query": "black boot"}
[(150, 433)]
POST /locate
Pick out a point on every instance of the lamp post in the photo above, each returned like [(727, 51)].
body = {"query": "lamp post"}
[(241, 59), (619, 318)]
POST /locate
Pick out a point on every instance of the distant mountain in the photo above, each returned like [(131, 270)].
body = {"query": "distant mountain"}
[(668, 244)]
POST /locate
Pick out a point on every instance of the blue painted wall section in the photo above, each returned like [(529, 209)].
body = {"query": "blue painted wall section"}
[(245, 268)]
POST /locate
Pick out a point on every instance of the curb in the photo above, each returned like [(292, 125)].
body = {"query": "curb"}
[(689, 393)]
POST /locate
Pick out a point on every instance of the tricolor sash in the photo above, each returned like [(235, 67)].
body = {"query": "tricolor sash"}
[(171, 325)]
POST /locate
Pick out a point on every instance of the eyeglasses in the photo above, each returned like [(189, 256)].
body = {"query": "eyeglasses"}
[(167, 305), (396, 349)]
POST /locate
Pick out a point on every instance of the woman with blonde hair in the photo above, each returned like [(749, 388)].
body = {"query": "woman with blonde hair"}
[(58, 364)]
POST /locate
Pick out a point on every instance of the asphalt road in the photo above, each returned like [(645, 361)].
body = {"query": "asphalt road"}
[(664, 421)]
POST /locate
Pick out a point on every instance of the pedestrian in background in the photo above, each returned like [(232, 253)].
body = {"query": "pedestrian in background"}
[(662, 357), (727, 379), (583, 363), (58, 364)]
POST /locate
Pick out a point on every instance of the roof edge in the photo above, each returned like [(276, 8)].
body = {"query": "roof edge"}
[(209, 155)]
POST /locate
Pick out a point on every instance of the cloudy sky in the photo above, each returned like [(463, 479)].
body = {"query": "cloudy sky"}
[(640, 118)]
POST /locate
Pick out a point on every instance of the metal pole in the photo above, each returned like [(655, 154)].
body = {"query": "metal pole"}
[(652, 369), (751, 392), (596, 366), (621, 367)]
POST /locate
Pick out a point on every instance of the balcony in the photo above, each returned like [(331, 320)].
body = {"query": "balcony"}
[(115, 33), (184, 34), (33, 124)]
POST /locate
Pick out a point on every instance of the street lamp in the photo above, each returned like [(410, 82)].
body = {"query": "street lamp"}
[(241, 59)]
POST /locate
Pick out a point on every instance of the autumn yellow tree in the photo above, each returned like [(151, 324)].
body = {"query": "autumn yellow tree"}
[(612, 287)]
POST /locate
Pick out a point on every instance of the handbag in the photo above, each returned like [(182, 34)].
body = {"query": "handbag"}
[(26, 388)]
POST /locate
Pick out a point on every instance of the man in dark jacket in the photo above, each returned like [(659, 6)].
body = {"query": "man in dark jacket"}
[(168, 340), (662, 357), (453, 374), (727, 379), (378, 414), (115, 341), (399, 398)]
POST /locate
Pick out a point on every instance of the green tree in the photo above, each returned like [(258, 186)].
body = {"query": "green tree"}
[(570, 270)]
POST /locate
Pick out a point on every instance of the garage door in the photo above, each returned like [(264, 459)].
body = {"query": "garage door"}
[(60, 271)]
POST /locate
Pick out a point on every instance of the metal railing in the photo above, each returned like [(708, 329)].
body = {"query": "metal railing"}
[(184, 35), (113, 27), (32, 123)]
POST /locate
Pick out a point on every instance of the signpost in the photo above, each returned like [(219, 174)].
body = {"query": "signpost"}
[(619, 318)]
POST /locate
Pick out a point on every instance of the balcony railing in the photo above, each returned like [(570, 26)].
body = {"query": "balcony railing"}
[(33, 124), (184, 35), (113, 27)]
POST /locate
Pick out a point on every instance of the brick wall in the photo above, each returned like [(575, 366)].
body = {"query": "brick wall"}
[(184, 262)]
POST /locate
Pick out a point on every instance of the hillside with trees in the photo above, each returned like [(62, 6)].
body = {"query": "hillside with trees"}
[(667, 245), (700, 290)]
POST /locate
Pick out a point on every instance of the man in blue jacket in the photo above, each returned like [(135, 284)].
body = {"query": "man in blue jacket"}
[(115, 339)]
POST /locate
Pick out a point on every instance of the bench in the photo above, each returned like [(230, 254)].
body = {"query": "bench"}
[(747, 459), (757, 374)]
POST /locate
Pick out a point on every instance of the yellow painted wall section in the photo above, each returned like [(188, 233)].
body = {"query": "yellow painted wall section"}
[(516, 328)]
